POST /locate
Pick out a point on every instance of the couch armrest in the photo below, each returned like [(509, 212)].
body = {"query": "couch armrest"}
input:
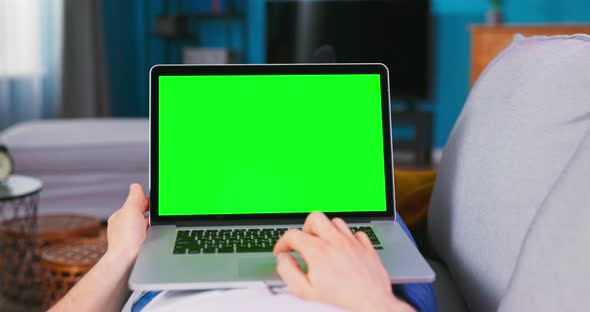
[(412, 196)]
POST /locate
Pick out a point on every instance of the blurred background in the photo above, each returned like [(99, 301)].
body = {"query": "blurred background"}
[(74, 96), (90, 58)]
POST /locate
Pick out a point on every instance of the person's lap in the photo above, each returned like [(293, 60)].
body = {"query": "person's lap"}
[(252, 299), (420, 296)]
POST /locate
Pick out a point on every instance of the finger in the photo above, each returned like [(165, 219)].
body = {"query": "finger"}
[(364, 239), (319, 225), (147, 206), (291, 273), (136, 198), (111, 218), (295, 240), (342, 227)]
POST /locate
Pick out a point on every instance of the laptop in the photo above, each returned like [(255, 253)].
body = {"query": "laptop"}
[(241, 153)]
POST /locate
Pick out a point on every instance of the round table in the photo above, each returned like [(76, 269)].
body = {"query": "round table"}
[(19, 195), (19, 199), (64, 265)]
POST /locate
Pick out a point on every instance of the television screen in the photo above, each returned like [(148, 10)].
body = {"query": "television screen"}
[(392, 32)]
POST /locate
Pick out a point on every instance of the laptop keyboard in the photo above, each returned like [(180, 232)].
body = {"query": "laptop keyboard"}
[(220, 241)]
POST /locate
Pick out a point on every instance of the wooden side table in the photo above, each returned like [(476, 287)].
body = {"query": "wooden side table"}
[(64, 265), (488, 41), (21, 270)]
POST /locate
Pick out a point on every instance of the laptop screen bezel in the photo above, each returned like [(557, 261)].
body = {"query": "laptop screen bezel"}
[(274, 69)]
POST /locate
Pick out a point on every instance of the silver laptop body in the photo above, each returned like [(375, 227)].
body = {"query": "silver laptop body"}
[(164, 264)]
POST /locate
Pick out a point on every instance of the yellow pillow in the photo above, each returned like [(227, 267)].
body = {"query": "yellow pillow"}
[(412, 195)]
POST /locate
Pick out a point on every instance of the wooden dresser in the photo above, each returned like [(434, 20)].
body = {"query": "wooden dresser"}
[(488, 41)]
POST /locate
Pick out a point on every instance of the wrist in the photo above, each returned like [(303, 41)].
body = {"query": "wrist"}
[(121, 256)]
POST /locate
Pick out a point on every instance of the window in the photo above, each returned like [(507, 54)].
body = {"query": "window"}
[(20, 38)]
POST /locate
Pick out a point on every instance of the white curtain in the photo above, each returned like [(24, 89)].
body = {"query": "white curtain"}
[(31, 44)]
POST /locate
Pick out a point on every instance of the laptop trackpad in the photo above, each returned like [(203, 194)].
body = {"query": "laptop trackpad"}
[(263, 267), (258, 268)]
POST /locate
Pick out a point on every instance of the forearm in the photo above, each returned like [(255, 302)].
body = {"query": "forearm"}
[(103, 288)]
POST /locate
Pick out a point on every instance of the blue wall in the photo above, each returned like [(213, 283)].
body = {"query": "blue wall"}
[(121, 49), (129, 40), (132, 49)]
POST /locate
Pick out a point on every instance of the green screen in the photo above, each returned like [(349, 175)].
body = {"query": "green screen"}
[(270, 144)]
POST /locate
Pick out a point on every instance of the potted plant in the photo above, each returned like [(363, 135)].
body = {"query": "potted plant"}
[(494, 14)]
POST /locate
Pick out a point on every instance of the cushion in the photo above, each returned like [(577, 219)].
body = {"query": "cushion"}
[(552, 271), (412, 195), (520, 126), (73, 145)]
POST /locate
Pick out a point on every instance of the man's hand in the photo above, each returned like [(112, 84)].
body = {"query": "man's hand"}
[(104, 287), (343, 268), (127, 227)]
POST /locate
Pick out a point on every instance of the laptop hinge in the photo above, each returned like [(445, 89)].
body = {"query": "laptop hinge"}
[(253, 222)]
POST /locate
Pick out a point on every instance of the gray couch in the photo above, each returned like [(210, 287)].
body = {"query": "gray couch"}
[(510, 213)]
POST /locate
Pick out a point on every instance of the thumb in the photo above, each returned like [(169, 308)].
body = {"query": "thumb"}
[(291, 273), (136, 197)]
